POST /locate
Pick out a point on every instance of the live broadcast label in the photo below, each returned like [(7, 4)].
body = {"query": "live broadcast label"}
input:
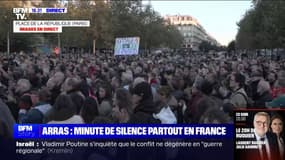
[(122, 131)]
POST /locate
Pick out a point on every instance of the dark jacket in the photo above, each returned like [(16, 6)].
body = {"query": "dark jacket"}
[(55, 92), (6, 121), (252, 91), (192, 108), (143, 113), (36, 114), (260, 101)]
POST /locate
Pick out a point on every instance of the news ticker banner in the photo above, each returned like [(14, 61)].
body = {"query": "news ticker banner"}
[(22, 25), (19, 11), (125, 131)]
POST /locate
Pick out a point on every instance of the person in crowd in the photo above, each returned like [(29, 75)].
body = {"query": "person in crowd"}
[(127, 78), (89, 110), (19, 97), (256, 77), (278, 102), (165, 115), (22, 87), (71, 86), (264, 94), (116, 83), (239, 97), (276, 126), (54, 85), (140, 79), (105, 99), (63, 112), (33, 74), (7, 121), (215, 116), (122, 106), (203, 106), (279, 88), (37, 113), (144, 107), (272, 78), (201, 90)]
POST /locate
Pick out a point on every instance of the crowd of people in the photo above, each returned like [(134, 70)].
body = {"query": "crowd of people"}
[(164, 88)]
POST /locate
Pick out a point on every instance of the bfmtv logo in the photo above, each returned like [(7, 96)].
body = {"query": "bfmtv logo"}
[(25, 128)]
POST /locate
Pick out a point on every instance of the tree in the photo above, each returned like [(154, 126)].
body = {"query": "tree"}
[(262, 26), (205, 46), (107, 22), (231, 46), (173, 37)]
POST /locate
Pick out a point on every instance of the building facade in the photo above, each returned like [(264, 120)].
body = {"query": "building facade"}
[(191, 30)]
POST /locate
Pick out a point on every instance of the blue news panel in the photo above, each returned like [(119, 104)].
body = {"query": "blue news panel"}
[(122, 131), (123, 141)]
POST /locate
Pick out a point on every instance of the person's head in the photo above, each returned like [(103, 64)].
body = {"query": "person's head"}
[(261, 123), (70, 84), (25, 102), (77, 99), (237, 80), (256, 71), (272, 77), (22, 86), (32, 69), (127, 77), (240, 67), (138, 70), (206, 87), (211, 77), (62, 109), (105, 91), (44, 95), (262, 87), (116, 82), (228, 108), (122, 105), (89, 110), (281, 79), (214, 116), (56, 80), (138, 80), (205, 104), (164, 93), (141, 92), (276, 124), (196, 85), (223, 71)]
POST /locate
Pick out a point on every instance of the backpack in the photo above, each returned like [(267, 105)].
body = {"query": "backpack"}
[(249, 101)]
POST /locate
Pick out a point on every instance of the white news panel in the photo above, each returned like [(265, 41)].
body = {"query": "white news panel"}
[(48, 26)]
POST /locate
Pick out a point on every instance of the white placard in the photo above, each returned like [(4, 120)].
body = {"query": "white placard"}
[(127, 46)]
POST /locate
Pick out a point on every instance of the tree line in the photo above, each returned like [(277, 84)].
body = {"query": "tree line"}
[(263, 26), (107, 22)]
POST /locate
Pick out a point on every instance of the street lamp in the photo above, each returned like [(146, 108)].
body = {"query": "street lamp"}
[(8, 35)]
